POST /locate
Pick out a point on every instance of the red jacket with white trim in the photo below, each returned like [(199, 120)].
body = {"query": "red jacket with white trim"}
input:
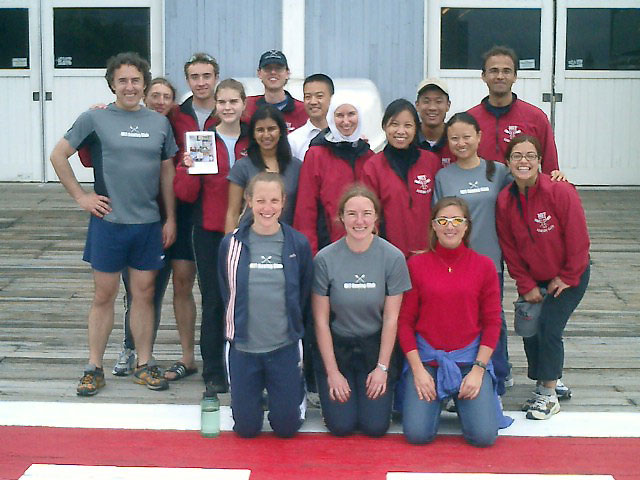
[(324, 177), (543, 234), (521, 117), (406, 206)]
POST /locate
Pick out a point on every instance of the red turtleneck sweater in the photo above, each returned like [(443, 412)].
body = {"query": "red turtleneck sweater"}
[(450, 308)]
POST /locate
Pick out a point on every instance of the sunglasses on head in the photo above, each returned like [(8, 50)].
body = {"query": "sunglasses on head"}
[(455, 221)]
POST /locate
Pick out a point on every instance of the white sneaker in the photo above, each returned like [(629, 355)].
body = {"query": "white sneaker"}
[(544, 407), (562, 391), (126, 362)]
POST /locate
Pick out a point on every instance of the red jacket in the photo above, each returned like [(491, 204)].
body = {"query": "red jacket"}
[(210, 192), (406, 207), (184, 120), (324, 177), (545, 236), (440, 149), (450, 309), (521, 117), (294, 113)]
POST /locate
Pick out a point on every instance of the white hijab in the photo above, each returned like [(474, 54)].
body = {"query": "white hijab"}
[(339, 99)]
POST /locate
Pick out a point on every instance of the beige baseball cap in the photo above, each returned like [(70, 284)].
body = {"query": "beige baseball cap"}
[(437, 82)]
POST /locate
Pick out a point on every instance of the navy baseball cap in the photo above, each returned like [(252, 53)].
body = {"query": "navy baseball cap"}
[(273, 56)]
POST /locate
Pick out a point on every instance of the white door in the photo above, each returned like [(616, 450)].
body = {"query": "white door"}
[(76, 36), (458, 32), (20, 100), (598, 74)]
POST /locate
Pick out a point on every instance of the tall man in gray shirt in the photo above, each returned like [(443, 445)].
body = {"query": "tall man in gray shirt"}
[(131, 148)]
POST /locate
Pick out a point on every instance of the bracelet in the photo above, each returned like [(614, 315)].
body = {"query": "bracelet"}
[(480, 364), (382, 367)]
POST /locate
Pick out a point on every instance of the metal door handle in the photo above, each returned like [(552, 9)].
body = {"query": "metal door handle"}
[(48, 96), (35, 96)]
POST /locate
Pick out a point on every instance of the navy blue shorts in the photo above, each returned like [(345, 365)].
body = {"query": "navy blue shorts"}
[(111, 247)]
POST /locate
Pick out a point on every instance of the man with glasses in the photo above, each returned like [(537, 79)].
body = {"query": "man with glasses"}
[(273, 72), (502, 115)]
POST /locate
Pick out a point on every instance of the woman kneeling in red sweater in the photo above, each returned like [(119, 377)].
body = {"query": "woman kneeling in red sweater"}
[(448, 326)]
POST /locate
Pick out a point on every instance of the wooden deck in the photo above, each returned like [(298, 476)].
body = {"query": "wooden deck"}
[(46, 289)]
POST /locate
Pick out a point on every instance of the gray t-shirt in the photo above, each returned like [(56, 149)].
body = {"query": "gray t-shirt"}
[(201, 114), (357, 284), (267, 328), (230, 143), (244, 170), (481, 196), (126, 151)]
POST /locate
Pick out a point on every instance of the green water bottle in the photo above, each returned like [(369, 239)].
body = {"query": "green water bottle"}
[(210, 415)]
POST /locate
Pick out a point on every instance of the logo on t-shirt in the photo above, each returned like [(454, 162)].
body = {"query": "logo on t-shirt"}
[(360, 283), (423, 182), (473, 188), (134, 132), (511, 131), (445, 161), (266, 264), (542, 219)]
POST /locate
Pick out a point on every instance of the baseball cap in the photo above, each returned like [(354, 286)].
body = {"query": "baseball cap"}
[(436, 82), (273, 56), (527, 316)]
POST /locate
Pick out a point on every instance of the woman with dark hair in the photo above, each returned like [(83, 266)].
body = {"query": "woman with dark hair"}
[(479, 182), (448, 326), (268, 151), (402, 176), (265, 270), (357, 290), (544, 238), (334, 161)]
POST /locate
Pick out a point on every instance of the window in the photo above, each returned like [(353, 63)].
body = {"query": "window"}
[(603, 39), (87, 37), (14, 38), (467, 33)]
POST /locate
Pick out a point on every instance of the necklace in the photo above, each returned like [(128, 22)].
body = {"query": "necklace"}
[(449, 267)]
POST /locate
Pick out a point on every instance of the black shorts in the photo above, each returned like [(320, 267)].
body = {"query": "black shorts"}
[(182, 249)]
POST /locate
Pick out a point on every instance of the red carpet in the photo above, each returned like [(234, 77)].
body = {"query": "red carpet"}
[(314, 456)]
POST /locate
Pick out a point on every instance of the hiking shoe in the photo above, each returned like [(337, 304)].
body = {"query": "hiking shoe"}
[(562, 391), (92, 380), (544, 407), (125, 363), (151, 377)]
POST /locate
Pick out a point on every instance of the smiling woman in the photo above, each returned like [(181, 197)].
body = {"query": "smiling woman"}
[(265, 267), (402, 176), (268, 151)]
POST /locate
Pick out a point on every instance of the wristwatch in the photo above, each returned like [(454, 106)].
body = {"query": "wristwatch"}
[(480, 364), (383, 367)]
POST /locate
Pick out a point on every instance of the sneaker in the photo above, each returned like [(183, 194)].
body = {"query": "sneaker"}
[(562, 391), (151, 377), (544, 407), (313, 400), (450, 406), (508, 381), (125, 363), (92, 380), (527, 404)]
